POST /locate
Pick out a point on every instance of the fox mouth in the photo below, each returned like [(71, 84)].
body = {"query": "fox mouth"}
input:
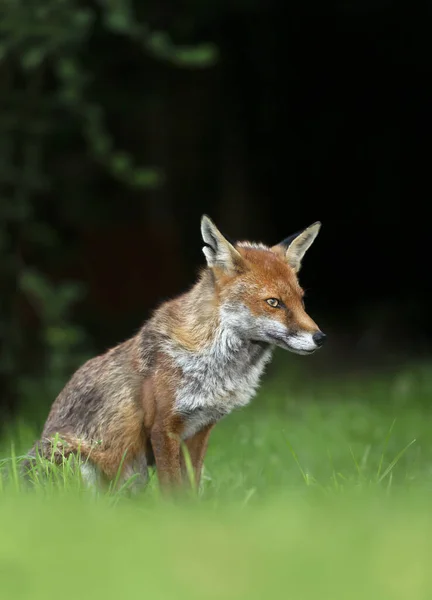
[(299, 350), (286, 344)]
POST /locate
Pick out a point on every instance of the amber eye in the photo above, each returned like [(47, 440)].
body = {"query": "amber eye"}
[(274, 302)]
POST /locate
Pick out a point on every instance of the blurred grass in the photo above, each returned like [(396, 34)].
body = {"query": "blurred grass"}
[(72, 549), (320, 488)]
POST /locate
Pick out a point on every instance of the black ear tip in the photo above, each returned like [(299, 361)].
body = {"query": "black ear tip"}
[(287, 241)]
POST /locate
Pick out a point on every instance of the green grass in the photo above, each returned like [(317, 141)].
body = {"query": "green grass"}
[(319, 489)]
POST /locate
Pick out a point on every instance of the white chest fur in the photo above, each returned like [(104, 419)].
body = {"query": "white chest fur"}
[(217, 380)]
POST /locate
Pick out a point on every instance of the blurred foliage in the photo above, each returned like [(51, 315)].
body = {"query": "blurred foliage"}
[(62, 341), (46, 69)]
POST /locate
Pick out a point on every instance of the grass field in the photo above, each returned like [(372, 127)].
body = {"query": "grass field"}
[(319, 489)]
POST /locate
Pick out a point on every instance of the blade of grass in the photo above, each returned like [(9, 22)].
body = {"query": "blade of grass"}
[(189, 467), (334, 478), (357, 466), (365, 457), (113, 484), (297, 461), (386, 441), (248, 496), (14, 469), (395, 460)]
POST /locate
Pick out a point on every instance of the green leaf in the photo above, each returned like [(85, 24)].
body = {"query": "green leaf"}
[(147, 178), (121, 163), (205, 55), (119, 21), (33, 58)]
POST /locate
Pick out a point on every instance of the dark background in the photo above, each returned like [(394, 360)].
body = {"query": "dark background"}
[(297, 113)]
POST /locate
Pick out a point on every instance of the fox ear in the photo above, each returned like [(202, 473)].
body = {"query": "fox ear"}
[(219, 252), (295, 246)]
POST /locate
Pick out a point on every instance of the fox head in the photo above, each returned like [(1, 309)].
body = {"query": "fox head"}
[(258, 290)]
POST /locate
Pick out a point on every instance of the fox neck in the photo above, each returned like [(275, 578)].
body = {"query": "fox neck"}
[(197, 323), (220, 369)]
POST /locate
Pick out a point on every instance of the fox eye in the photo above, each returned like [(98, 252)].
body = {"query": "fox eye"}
[(274, 302)]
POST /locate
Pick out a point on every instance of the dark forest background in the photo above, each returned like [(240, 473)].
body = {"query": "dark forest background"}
[(122, 122)]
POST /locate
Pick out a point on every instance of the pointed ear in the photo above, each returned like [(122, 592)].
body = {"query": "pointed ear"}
[(219, 252), (295, 246)]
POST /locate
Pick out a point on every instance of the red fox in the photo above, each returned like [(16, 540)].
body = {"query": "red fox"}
[(195, 360)]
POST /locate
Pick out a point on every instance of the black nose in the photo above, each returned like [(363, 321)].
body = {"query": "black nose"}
[(319, 338)]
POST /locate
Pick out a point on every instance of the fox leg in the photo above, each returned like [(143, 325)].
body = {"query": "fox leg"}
[(138, 470), (166, 450), (197, 447)]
